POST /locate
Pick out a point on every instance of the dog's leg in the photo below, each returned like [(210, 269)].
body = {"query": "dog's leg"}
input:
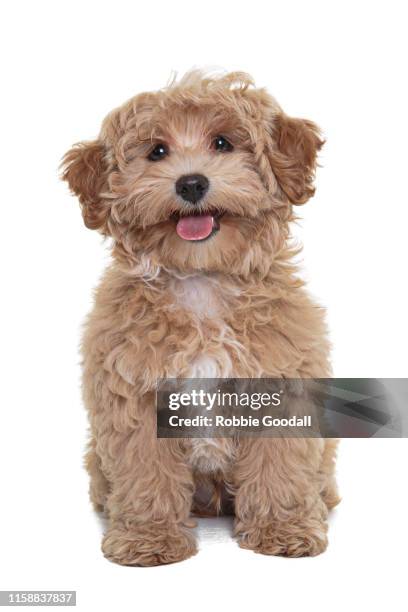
[(278, 504), (151, 497), (98, 485), (330, 492)]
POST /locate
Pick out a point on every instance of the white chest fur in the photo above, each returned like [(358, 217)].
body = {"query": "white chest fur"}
[(203, 299), (198, 294)]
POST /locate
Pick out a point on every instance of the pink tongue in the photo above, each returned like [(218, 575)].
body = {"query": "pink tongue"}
[(196, 227)]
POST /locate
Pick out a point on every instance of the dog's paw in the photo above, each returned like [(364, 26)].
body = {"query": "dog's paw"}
[(330, 495), (289, 539), (148, 545)]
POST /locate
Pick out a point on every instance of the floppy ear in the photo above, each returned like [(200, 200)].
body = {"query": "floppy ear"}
[(293, 156), (85, 170)]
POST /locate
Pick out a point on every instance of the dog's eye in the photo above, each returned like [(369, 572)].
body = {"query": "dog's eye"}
[(159, 152), (222, 144)]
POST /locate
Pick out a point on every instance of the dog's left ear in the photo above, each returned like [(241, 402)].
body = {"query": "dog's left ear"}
[(293, 156)]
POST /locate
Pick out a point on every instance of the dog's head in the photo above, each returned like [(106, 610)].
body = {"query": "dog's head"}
[(199, 176)]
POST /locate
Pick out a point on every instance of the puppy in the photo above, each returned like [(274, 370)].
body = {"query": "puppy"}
[(195, 185)]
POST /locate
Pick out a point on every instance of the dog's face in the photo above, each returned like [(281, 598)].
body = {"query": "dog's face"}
[(200, 176)]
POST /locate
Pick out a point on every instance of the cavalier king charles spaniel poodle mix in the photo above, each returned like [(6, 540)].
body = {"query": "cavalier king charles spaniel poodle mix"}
[(195, 186)]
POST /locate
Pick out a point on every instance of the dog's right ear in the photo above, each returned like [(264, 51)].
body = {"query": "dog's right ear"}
[(84, 167)]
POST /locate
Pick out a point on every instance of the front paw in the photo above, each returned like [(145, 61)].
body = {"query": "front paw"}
[(148, 545), (293, 538)]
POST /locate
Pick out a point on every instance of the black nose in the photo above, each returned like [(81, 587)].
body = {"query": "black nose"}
[(192, 187)]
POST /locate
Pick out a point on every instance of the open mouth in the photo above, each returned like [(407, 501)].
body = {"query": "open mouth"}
[(198, 227)]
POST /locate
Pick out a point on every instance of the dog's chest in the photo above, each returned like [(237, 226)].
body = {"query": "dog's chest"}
[(199, 296), (204, 302)]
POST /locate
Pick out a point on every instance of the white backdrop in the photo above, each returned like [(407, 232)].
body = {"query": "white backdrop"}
[(65, 65)]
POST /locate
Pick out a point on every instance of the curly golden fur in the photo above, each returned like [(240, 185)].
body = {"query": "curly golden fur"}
[(231, 305)]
